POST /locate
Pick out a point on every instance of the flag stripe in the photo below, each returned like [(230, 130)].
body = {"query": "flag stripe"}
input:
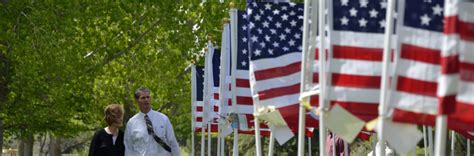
[(467, 71), (356, 81), (278, 71), (277, 82), (421, 54), (357, 53), (413, 117), (418, 87), (277, 92), (463, 29), (243, 83), (450, 64), (244, 100)]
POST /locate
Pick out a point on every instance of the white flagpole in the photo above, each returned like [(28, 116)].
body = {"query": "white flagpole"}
[(209, 139), (309, 146), (414, 150), (346, 149), (203, 142), (468, 147), (441, 130), (374, 145), (430, 140), (441, 120), (271, 145), (425, 144), (233, 42), (222, 84), (385, 75), (334, 144), (235, 150), (219, 139), (193, 102), (258, 142), (322, 78), (205, 104), (222, 146), (306, 77), (208, 96), (453, 142), (192, 140)]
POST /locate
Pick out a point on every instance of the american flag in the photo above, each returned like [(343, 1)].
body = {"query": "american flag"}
[(197, 80), (418, 61), (275, 45), (355, 65), (244, 102), (456, 83), (225, 73), (211, 94)]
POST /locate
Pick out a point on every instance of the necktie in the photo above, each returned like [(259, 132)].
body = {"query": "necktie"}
[(149, 127)]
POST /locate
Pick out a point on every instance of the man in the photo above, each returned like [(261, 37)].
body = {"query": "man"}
[(149, 133)]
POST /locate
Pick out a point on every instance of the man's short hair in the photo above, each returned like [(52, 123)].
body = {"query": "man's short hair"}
[(112, 113), (140, 90)]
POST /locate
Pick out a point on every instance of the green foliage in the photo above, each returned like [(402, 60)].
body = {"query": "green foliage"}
[(67, 60)]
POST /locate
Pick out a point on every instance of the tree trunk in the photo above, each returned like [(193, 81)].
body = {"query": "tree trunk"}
[(26, 146), (4, 75), (43, 139), (54, 146), (128, 110), (129, 105), (1, 137)]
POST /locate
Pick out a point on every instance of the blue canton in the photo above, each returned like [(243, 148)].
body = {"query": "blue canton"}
[(424, 14), (275, 29), (359, 15)]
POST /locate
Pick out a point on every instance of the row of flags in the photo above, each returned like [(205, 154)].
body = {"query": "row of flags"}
[(259, 65)]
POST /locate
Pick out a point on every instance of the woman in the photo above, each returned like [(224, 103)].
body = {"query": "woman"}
[(109, 140)]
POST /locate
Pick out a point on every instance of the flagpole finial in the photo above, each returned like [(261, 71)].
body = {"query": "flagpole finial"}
[(226, 20), (232, 5)]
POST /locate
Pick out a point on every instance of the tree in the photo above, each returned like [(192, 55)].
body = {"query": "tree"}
[(62, 62)]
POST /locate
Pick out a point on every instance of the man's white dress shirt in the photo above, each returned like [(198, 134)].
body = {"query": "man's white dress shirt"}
[(139, 143)]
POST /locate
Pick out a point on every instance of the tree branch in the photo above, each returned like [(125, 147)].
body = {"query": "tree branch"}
[(130, 46)]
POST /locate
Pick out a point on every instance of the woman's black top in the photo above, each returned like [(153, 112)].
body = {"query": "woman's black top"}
[(102, 144)]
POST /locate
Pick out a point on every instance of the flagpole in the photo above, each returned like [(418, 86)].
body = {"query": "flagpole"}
[(430, 140), (424, 141), (209, 95), (306, 78), (322, 78), (233, 43), (219, 138), (385, 75), (414, 150), (374, 145), (222, 85), (205, 112), (193, 102), (222, 145), (441, 130), (209, 139), (192, 140), (235, 150), (453, 142), (271, 145), (309, 146), (346, 149), (333, 144), (468, 147), (203, 142)]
